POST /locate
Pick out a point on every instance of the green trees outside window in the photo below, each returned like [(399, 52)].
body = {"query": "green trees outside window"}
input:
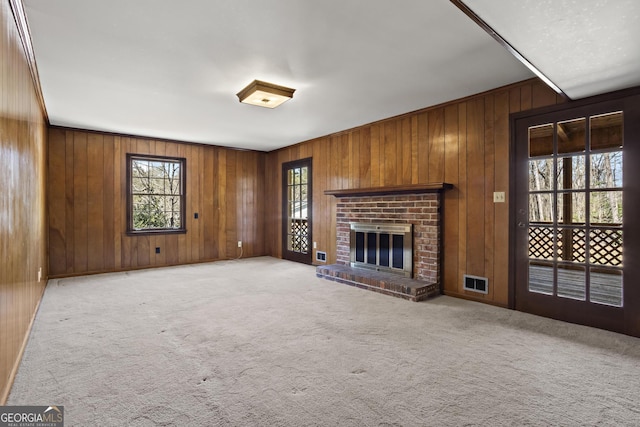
[(156, 193)]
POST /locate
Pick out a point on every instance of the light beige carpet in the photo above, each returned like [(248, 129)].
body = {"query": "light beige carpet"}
[(263, 342)]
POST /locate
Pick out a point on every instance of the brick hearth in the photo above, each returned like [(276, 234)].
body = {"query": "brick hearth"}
[(384, 283)]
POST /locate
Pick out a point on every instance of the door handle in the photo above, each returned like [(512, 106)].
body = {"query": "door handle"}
[(521, 224)]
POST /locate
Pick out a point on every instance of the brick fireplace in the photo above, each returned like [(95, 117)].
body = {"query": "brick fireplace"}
[(418, 205)]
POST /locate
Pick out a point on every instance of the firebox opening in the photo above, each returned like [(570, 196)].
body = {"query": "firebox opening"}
[(383, 247)]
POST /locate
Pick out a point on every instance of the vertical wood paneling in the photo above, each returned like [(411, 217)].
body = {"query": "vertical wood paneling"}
[(375, 156), (475, 187), (463, 193), (95, 202), (351, 160), (118, 213), (87, 211), (404, 136), (108, 229), (57, 202), (270, 216), (322, 215), (143, 251), (80, 202), (489, 186), (343, 153), (514, 99), (414, 149), (450, 208), (23, 230), (526, 95), (391, 153), (501, 214), (68, 141), (541, 95), (436, 146), (335, 163), (231, 209), (355, 159), (195, 181), (258, 190), (423, 147), (365, 158)]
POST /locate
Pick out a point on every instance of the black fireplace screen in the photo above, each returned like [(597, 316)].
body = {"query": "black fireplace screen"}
[(383, 247)]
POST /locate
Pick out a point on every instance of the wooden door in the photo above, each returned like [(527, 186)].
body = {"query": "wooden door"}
[(576, 197), (296, 211)]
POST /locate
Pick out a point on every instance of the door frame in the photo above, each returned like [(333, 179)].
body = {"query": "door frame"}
[(628, 321), (286, 254)]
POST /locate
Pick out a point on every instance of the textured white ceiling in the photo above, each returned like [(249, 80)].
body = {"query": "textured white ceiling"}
[(171, 69), (585, 47)]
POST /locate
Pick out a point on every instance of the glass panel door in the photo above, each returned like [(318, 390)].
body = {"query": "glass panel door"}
[(575, 209), (575, 188), (296, 233)]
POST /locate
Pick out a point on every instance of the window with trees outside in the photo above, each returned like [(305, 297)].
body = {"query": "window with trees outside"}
[(156, 195)]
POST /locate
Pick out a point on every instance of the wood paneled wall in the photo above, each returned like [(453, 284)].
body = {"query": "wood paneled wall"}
[(87, 204), (464, 142), (22, 199)]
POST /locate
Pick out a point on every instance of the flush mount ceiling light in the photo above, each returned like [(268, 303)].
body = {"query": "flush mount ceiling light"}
[(265, 94)]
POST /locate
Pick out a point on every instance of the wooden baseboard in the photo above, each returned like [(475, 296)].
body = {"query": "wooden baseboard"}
[(145, 267), (474, 298), (16, 364)]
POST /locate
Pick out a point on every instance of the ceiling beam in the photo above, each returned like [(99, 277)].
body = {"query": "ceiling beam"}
[(471, 14)]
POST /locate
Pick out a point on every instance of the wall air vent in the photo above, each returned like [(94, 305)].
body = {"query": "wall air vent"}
[(321, 256), (476, 284)]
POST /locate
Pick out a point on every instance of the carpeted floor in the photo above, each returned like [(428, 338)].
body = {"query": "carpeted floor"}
[(263, 342)]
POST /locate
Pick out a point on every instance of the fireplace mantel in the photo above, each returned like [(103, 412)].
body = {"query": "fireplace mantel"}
[(432, 187)]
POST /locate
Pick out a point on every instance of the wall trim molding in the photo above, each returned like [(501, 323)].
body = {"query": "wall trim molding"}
[(20, 17), (148, 138)]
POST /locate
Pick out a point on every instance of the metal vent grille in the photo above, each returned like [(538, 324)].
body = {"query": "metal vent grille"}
[(476, 284)]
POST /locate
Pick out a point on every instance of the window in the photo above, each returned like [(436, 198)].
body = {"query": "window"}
[(155, 194)]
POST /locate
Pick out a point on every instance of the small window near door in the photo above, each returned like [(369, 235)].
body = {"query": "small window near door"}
[(297, 209), (155, 194)]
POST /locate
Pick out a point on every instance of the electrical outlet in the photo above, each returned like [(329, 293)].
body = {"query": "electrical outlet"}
[(239, 243), (499, 197), (315, 245)]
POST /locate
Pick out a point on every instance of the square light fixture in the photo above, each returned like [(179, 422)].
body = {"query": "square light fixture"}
[(265, 94)]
